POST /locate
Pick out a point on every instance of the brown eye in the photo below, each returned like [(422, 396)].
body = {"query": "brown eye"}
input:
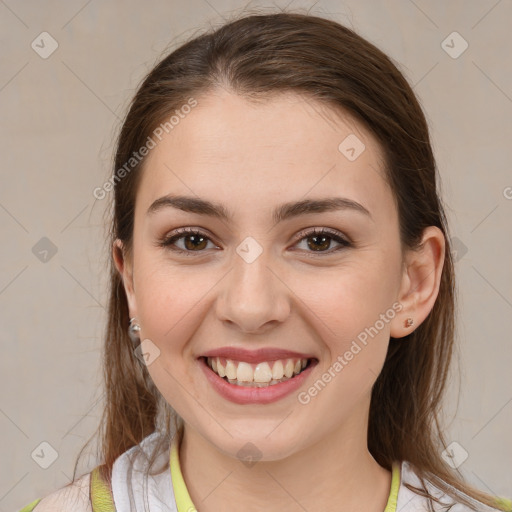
[(319, 243), (193, 241), (319, 240)]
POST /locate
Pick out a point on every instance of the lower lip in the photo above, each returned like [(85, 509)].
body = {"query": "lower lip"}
[(249, 395)]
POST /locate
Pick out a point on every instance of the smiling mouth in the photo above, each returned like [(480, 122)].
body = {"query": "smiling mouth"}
[(262, 374)]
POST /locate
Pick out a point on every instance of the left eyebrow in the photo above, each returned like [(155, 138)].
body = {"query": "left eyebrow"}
[(281, 213)]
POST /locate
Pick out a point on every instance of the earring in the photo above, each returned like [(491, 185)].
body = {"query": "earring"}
[(133, 330), (408, 322)]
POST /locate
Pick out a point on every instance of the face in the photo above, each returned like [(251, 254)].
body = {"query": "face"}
[(321, 283)]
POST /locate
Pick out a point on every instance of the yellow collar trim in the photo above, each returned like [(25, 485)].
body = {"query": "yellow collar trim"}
[(181, 495), (101, 495), (395, 486)]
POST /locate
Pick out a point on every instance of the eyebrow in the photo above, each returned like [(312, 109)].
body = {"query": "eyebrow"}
[(282, 212)]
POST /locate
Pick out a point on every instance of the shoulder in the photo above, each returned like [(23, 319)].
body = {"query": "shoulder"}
[(74, 496), (131, 479), (408, 500)]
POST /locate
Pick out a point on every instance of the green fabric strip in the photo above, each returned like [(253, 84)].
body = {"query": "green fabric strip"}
[(181, 495), (504, 503), (30, 506), (395, 486), (101, 496)]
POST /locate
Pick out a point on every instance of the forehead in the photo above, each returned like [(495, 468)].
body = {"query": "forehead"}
[(253, 155)]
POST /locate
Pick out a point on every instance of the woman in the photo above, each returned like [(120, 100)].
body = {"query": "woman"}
[(281, 317)]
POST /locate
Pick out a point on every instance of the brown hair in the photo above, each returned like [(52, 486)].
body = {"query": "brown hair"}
[(258, 56)]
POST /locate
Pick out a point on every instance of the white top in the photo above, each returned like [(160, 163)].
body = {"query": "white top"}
[(155, 494), (156, 491)]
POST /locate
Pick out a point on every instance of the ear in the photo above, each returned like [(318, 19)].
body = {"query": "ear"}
[(125, 269), (420, 281)]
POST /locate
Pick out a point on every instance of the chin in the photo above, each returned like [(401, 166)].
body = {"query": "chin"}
[(254, 444)]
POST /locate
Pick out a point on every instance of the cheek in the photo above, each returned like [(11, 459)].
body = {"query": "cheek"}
[(350, 310), (168, 302), (349, 298), (353, 310)]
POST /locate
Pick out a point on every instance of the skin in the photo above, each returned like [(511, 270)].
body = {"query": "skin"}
[(251, 158)]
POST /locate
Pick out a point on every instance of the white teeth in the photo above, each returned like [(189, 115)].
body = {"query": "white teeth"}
[(261, 374), (231, 371), (220, 369), (244, 372), (288, 368), (277, 370)]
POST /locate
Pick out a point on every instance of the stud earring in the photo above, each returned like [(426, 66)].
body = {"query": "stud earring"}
[(133, 330), (408, 322)]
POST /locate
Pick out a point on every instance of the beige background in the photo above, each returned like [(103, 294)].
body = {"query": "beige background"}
[(59, 118)]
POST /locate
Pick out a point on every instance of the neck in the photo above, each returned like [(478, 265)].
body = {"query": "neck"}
[(336, 473)]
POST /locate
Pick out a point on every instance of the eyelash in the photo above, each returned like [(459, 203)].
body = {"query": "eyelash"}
[(168, 241)]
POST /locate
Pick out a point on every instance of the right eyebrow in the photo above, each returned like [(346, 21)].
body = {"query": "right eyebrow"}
[(282, 212)]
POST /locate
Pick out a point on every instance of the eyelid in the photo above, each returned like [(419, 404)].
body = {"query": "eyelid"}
[(321, 231), (168, 241), (338, 237)]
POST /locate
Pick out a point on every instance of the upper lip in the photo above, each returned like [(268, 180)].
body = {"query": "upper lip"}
[(255, 356)]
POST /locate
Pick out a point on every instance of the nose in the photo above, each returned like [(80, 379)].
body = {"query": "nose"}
[(254, 297)]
